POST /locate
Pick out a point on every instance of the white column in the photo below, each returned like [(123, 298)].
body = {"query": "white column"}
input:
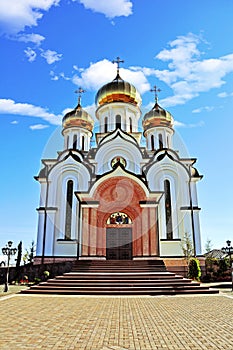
[(50, 232), (40, 233)]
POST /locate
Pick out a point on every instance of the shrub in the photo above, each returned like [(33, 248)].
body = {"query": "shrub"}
[(194, 270), (46, 274), (37, 280)]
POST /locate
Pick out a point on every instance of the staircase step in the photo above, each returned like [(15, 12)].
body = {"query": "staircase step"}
[(113, 277)]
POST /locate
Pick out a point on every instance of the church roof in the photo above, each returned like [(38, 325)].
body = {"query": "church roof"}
[(78, 117), (157, 116), (118, 90)]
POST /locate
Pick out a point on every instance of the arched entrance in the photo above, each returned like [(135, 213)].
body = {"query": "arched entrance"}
[(133, 234), (119, 237)]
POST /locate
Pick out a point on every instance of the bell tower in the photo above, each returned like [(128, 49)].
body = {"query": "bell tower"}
[(77, 127), (158, 126)]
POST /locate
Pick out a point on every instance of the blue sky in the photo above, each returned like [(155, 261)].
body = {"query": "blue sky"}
[(51, 47)]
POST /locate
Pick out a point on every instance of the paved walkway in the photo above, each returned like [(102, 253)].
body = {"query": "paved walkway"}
[(116, 323)]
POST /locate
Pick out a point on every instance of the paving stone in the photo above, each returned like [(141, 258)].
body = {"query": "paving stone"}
[(121, 323)]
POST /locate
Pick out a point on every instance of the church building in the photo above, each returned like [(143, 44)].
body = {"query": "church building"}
[(118, 200)]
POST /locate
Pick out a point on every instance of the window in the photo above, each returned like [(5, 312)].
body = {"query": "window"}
[(160, 141), (152, 143), (106, 124), (130, 125), (118, 121), (168, 209), (82, 143), (69, 201), (119, 218), (75, 142)]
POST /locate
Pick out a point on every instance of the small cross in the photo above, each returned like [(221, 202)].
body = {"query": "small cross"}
[(118, 61), (155, 90), (80, 91)]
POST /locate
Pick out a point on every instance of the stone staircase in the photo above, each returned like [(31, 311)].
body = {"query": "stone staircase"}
[(119, 277)]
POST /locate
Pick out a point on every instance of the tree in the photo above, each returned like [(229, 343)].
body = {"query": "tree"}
[(29, 254), (19, 256), (194, 270), (187, 247), (18, 261), (208, 245)]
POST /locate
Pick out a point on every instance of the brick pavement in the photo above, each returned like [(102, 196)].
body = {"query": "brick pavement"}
[(116, 323)]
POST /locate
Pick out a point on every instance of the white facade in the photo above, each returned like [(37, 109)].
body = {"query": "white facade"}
[(71, 184)]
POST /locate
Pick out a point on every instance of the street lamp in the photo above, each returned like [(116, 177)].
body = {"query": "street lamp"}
[(229, 251), (8, 251)]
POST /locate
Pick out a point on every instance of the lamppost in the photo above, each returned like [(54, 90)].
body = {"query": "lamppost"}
[(8, 251), (229, 251)]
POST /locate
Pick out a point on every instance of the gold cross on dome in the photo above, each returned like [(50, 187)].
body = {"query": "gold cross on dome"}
[(80, 91), (118, 61), (156, 90)]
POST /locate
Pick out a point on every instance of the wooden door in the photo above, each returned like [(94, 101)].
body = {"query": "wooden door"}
[(119, 243)]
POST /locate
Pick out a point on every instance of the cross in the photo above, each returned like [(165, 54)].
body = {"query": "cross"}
[(118, 61), (80, 91), (155, 90)]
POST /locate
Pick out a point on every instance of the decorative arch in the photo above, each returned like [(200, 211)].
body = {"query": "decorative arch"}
[(118, 194)]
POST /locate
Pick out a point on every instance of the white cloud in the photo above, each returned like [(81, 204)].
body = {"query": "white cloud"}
[(110, 8), (8, 106), (53, 75), (30, 54), (38, 126), (17, 15), (102, 72), (201, 109), (225, 94), (51, 56), (178, 124), (33, 38), (187, 74), (14, 122), (222, 95)]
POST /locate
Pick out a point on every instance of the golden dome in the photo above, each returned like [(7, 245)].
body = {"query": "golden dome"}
[(79, 118), (157, 117), (118, 91)]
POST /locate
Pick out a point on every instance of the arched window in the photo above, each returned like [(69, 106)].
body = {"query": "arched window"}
[(152, 143), (160, 141), (118, 121), (82, 143), (69, 201), (67, 142), (130, 125), (168, 209), (75, 142), (106, 124), (119, 218)]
